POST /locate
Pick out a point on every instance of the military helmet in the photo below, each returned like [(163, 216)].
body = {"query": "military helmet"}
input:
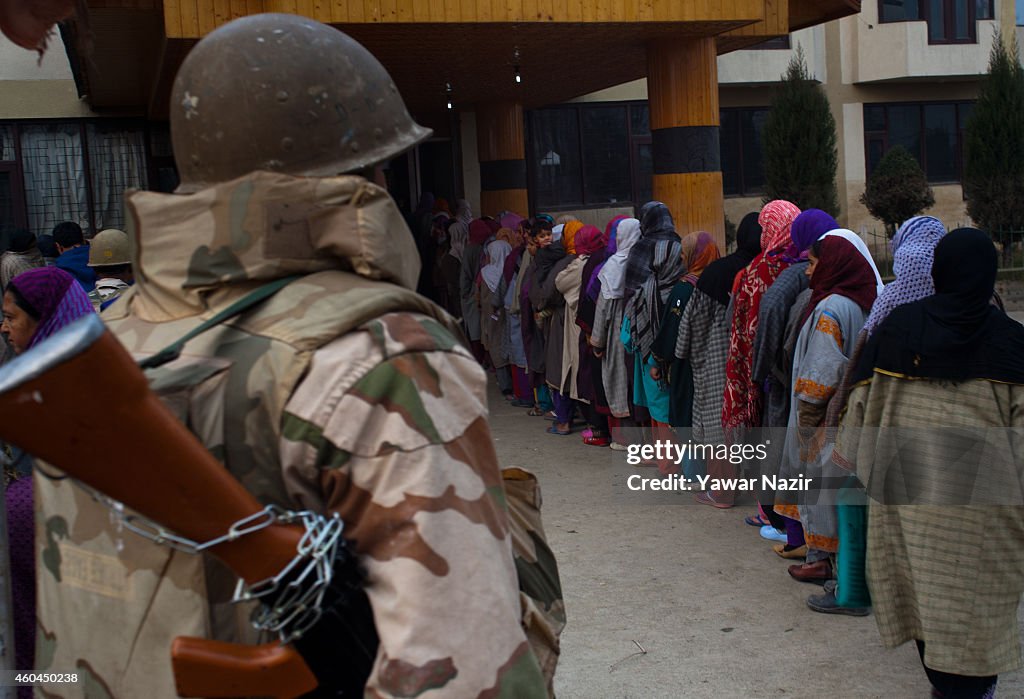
[(109, 248), (285, 93)]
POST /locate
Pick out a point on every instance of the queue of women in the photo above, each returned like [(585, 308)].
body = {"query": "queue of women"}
[(635, 332)]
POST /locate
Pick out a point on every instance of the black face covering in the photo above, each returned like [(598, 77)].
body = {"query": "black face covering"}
[(957, 334), (717, 279)]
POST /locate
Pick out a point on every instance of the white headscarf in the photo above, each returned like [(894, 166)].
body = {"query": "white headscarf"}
[(458, 234), (556, 232), (497, 251), (862, 248), (463, 212), (613, 274)]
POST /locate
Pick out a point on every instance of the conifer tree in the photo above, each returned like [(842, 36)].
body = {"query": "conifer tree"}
[(799, 141), (897, 189), (994, 148)]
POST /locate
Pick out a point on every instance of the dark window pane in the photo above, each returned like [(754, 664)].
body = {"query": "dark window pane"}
[(729, 134), (555, 151), (751, 124), (984, 9), (645, 173), (6, 205), (940, 142), (964, 111), (874, 117), (905, 128), (936, 20), (1019, 11), (961, 27), (900, 10), (876, 149), (639, 119), (606, 156)]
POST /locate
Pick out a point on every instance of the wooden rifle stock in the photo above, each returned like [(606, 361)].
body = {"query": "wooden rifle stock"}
[(138, 453)]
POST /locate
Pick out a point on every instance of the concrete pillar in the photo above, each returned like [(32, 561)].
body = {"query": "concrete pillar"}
[(682, 85), (501, 147)]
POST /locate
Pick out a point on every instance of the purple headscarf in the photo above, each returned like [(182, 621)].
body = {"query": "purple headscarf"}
[(807, 228), (611, 230), (56, 296), (913, 253)]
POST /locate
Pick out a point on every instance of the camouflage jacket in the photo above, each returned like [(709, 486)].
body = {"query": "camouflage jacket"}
[(311, 405)]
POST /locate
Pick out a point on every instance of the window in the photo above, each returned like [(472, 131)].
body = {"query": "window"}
[(1019, 11), (588, 154), (742, 156), (53, 171), (949, 21), (899, 11), (932, 132)]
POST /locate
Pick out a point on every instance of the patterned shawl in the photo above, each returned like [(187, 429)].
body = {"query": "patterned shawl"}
[(512, 236), (699, 250), (613, 274), (913, 251), (645, 308), (742, 398), (655, 225), (56, 296)]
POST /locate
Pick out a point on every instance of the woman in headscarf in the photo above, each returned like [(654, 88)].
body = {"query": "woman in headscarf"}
[(532, 325), (479, 234), (37, 303), (656, 225), (616, 363), (843, 289), (771, 368), (493, 326), (913, 253), (421, 223), (932, 431), (563, 338), (451, 265), (741, 410), (463, 212), (591, 380), (591, 246), (510, 288), (22, 254), (549, 313), (698, 250), (645, 311), (704, 342)]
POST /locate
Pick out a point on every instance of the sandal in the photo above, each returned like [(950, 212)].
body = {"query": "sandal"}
[(535, 412), (554, 430), (596, 441), (706, 498), (756, 521)]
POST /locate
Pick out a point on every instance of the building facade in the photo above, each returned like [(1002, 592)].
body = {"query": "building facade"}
[(901, 72)]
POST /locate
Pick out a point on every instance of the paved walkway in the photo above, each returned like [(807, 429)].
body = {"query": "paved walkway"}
[(696, 588)]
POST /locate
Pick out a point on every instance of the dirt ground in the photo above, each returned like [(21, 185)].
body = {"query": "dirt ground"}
[(704, 597)]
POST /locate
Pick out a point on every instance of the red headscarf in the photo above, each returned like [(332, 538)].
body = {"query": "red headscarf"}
[(479, 232), (589, 240), (842, 270)]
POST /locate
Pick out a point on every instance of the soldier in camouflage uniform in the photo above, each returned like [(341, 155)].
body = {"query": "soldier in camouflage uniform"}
[(344, 392), (109, 258)]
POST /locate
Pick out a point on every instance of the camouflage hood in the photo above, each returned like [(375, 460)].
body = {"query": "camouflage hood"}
[(262, 226)]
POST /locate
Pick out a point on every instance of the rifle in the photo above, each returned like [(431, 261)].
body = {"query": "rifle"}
[(166, 475)]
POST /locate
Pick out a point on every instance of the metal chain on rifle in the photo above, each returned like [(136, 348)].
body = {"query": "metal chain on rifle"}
[(291, 602)]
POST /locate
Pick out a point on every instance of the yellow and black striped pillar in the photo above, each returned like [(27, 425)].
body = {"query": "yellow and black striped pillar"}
[(502, 151), (682, 86)]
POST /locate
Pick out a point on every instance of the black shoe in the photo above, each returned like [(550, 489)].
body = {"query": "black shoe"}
[(826, 603)]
